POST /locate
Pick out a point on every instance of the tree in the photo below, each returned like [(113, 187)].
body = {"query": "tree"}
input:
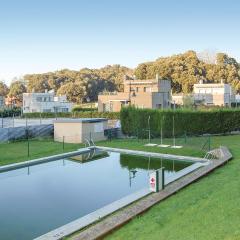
[(3, 89), (75, 92), (16, 91)]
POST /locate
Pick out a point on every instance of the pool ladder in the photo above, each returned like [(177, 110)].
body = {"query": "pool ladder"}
[(214, 154), (89, 143)]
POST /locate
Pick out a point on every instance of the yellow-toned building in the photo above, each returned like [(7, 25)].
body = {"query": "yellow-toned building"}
[(151, 93)]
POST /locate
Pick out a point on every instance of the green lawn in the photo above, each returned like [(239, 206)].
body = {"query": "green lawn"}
[(18, 151), (207, 209)]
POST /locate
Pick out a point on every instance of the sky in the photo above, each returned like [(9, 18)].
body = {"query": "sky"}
[(38, 36)]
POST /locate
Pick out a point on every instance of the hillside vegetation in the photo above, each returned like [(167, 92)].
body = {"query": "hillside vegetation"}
[(183, 70)]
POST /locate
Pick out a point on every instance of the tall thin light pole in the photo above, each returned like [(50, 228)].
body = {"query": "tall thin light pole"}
[(149, 131), (174, 141), (161, 131)]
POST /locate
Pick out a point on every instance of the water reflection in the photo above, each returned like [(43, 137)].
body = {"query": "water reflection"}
[(132, 162)]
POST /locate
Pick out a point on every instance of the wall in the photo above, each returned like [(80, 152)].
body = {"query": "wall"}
[(72, 132), (10, 134), (78, 132), (115, 98), (95, 131)]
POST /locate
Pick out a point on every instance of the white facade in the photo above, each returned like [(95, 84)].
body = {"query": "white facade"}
[(2, 102), (45, 102), (219, 94)]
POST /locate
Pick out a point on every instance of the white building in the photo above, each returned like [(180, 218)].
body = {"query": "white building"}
[(2, 102), (218, 94), (45, 102)]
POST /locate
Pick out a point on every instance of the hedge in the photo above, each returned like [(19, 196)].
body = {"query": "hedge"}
[(10, 112), (84, 114), (81, 109), (135, 121)]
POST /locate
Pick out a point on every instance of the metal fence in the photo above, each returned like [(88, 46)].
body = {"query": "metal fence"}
[(10, 122)]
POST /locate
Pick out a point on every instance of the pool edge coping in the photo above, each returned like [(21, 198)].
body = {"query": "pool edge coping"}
[(153, 154), (43, 159)]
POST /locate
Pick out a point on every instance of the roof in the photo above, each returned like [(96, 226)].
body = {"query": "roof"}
[(80, 120)]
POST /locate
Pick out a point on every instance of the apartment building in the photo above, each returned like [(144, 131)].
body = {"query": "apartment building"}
[(45, 102), (151, 93), (215, 94), (218, 94)]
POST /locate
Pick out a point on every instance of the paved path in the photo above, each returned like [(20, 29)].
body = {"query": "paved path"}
[(115, 221)]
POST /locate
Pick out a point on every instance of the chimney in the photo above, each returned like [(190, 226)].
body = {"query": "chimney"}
[(222, 81), (157, 76), (46, 90), (134, 77), (201, 81), (33, 90)]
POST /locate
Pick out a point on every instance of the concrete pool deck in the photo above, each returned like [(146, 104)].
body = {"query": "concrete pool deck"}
[(153, 154)]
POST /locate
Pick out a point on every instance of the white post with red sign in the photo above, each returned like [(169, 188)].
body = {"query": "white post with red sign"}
[(156, 180)]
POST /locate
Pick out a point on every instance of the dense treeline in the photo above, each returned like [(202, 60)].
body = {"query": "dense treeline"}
[(79, 85), (135, 121), (187, 69), (183, 69)]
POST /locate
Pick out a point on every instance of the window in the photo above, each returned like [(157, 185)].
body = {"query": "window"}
[(106, 107), (111, 107), (39, 99), (147, 89), (137, 89), (64, 109), (47, 110)]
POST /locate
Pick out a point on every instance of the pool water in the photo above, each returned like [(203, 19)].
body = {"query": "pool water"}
[(39, 198)]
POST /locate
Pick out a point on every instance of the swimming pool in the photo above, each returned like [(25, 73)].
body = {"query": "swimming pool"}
[(37, 199)]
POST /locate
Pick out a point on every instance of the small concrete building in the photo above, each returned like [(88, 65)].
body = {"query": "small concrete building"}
[(151, 93), (45, 102), (79, 130)]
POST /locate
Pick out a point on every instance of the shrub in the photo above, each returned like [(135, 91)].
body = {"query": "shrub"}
[(81, 109)]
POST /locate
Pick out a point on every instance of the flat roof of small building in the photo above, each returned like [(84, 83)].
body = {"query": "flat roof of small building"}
[(80, 120)]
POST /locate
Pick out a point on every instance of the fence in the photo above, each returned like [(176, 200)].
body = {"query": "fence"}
[(148, 136), (18, 133), (23, 122)]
